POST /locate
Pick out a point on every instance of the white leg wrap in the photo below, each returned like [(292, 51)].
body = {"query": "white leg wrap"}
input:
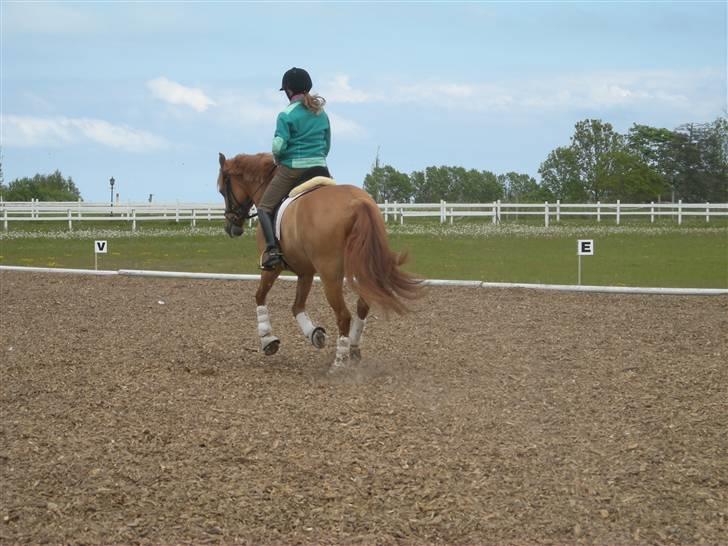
[(264, 327), (304, 321), (342, 353), (355, 330)]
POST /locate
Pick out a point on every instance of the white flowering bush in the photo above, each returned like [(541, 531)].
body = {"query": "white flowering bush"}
[(117, 233), (430, 229), (484, 230)]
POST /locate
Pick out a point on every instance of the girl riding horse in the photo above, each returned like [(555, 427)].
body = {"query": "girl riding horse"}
[(301, 143)]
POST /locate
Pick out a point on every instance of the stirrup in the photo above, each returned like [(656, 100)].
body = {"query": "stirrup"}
[(271, 259)]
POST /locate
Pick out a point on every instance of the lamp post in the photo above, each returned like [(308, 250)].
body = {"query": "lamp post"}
[(111, 185)]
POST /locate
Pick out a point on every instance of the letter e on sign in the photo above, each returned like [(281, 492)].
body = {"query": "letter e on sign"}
[(100, 247), (585, 247)]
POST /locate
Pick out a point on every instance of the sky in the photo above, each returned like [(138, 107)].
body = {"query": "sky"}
[(150, 92)]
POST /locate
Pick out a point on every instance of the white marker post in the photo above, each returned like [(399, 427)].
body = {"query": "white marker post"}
[(100, 247), (584, 247)]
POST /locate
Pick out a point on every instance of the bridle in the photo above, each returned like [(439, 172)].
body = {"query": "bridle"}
[(235, 211)]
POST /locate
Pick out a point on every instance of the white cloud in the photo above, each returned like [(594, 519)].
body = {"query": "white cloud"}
[(339, 90), (29, 131), (345, 128), (693, 91), (175, 93), (248, 110)]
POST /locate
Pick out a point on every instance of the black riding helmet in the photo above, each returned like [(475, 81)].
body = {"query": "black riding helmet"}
[(297, 80)]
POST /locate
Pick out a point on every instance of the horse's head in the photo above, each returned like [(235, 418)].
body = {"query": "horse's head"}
[(237, 201)]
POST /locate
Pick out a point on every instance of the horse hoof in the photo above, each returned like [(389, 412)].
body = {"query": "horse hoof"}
[(355, 354), (337, 367), (272, 347), (318, 338)]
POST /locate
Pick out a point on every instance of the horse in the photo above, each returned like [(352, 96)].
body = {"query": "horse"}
[(336, 231)]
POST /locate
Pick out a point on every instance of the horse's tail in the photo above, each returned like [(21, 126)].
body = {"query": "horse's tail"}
[(371, 267)]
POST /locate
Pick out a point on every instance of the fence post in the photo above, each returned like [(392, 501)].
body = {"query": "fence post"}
[(442, 211), (498, 211), (652, 212), (707, 213), (546, 214), (133, 219), (495, 213), (176, 214), (599, 211), (618, 210), (194, 218), (5, 218), (679, 212), (558, 211), (70, 221), (209, 215), (452, 216), (386, 211)]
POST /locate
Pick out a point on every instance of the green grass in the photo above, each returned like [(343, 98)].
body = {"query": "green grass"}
[(695, 261), (633, 255)]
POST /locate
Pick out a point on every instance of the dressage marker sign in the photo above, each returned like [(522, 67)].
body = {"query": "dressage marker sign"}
[(100, 247), (584, 247)]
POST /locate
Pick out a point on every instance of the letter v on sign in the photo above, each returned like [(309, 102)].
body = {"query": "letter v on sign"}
[(100, 247)]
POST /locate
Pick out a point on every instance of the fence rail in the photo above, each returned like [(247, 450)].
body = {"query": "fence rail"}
[(132, 213), (499, 211)]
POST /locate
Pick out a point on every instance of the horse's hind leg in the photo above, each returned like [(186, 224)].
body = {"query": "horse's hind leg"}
[(268, 342), (315, 334), (333, 288), (357, 327)]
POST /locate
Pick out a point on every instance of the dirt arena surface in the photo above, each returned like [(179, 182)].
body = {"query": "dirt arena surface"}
[(484, 417)]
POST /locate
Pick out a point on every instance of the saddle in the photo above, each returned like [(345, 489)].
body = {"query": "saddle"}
[(302, 189)]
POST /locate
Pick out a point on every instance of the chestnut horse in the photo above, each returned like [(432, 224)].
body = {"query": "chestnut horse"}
[(336, 231)]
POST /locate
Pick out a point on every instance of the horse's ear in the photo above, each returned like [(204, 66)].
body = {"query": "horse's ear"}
[(222, 160)]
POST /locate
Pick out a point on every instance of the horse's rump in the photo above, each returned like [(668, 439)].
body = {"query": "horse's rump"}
[(371, 268)]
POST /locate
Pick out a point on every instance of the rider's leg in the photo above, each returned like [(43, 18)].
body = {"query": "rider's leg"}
[(283, 182), (272, 255)]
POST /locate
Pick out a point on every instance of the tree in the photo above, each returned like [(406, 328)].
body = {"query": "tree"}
[(44, 187), (560, 176), (388, 184), (715, 160), (432, 185), (692, 159), (521, 188), (455, 184), (631, 179), (602, 164), (655, 147), (478, 187), (702, 161), (593, 144)]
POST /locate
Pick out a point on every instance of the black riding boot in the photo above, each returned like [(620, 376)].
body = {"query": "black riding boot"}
[(272, 256)]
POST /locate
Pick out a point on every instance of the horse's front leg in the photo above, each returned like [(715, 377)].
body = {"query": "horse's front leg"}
[(268, 342), (315, 334)]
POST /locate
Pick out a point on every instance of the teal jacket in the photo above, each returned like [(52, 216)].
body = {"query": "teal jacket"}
[(302, 138)]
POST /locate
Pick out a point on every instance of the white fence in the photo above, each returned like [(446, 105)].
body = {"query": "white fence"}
[(131, 213), (498, 211)]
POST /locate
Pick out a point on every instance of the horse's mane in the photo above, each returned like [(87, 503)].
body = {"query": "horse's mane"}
[(252, 166)]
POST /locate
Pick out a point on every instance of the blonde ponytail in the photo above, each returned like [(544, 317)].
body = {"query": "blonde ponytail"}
[(314, 103)]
